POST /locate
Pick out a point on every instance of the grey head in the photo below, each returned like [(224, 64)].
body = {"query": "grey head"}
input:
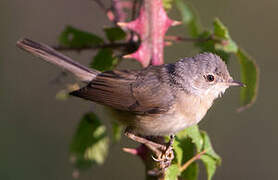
[(205, 74)]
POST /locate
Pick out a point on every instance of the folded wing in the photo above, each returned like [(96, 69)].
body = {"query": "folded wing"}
[(140, 92)]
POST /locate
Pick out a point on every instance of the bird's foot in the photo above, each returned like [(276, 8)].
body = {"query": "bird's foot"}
[(163, 153), (166, 155)]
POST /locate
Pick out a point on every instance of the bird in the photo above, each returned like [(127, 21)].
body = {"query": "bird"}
[(153, 101)]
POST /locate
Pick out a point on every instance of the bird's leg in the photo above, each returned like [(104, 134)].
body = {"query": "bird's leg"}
[(153, 146), (163, 152), (169, 154)]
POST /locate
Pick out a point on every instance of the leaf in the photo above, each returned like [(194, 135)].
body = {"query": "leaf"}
[(209, 149), (184, 147), (191, 172), (221, 33), (104, 60), (250, 77), (189, 17), (193, 133), (117, 129), (167, 4), (208, 45), (210, 158), (172, 172), (210, 165), (220, 30), (218, 42), (75, 38), (114, 34), (178, 149), (185, 150), (62, 95), (90, 143)]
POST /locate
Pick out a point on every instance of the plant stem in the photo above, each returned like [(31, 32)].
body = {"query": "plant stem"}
[(112, 45), (179, 38), (190, 161)]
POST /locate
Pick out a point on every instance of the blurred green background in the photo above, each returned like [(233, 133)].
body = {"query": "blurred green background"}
[(36, 129)]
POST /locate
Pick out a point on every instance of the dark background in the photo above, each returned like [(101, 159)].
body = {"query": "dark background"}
[(36, 129)]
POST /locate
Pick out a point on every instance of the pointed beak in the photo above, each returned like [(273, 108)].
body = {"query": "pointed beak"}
[(236, 83)]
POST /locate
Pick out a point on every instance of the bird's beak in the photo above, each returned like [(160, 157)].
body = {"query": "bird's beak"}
[(236, 83)]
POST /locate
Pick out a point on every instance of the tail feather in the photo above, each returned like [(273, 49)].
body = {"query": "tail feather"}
[(52, 56)]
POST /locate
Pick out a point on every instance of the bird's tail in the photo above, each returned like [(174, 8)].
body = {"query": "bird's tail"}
[(52, 56)]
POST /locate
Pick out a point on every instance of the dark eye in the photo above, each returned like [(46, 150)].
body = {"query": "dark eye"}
[(210, 78)]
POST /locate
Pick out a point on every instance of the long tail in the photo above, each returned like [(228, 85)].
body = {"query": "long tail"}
[(52, 56)]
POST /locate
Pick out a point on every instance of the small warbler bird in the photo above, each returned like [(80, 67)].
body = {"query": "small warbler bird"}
[(154, 101)]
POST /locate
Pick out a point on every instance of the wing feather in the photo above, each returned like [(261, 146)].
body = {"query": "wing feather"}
[(140, 92)]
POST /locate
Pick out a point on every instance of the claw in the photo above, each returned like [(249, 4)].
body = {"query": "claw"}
[(157, 159), (169, 156)]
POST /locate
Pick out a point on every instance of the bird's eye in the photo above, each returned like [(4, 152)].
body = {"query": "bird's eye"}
[(210, 78)]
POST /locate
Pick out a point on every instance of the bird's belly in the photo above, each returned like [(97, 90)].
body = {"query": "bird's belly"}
[(163, 124), (185, 113)]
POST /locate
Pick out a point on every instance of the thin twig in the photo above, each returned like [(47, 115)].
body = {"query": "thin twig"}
[(100, 4), (190, 161), (112, 45), (134, 12), (179, 38)]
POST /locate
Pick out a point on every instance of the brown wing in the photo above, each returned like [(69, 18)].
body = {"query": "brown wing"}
[(152, 91), (140, 92)]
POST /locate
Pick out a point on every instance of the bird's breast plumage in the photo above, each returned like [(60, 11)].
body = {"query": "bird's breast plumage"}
[(188, 110)]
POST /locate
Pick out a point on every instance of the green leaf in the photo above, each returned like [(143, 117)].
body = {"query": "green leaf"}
[(221, 34), (189, 18), (208, 45), (191, 172), (75, 38), (185, 150), (193, 133), (220, 30), (184, 147), (172, 172), (178, 149), (62, 95), (250, 77), (209, 149), (104, 60), (167, 4), (218, 42), (90, 143), (114, 34), (117, 129), (210, 165)]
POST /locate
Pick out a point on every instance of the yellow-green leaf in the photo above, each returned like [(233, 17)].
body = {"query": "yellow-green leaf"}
[(221, 34), (172, 172), (167, 4), (62, 95), (210, 164), (75, 38), (117, 129), (193, 133), (185, 149), (114, 34), (189, 18), (209, 45), (104, 60), (207, 146), (249, 76), (90, 143)]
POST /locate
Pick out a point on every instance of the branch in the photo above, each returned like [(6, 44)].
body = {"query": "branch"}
[(112, 45), (179, 39), (190, 161), (135, 8), (100, 4)]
